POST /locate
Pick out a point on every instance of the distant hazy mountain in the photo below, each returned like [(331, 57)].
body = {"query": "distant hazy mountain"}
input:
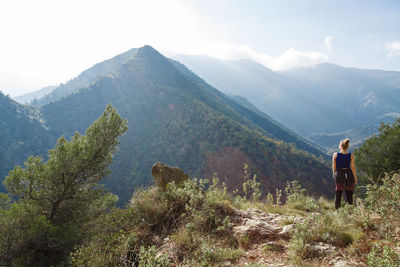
[(331, 141), (177, 118), (87, 77), (22, 133), (326, 98), (26, 98)]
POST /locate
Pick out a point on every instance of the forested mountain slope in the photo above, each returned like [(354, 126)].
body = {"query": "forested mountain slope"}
[(322, 100), (252, 115), (22, 134), (175, 118)]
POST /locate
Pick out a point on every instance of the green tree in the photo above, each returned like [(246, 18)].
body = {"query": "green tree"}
[(56, 202), (380, 154)]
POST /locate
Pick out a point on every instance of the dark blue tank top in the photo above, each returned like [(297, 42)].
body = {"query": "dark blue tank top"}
[(343, 161)]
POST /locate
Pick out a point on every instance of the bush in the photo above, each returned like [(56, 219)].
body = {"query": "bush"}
[(186, 213), (383, 256), (336, 228), (296, 198), (147, 258), (380, 154), (384, 197), (211, 256), (251, 187)]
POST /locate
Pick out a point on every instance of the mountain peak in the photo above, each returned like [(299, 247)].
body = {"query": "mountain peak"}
[(148, 50)]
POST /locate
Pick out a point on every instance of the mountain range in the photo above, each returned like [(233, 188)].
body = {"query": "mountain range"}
[(174, 117), (321, 102), (31, 97)]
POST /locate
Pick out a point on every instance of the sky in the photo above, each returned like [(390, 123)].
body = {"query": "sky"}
[(48, 42)]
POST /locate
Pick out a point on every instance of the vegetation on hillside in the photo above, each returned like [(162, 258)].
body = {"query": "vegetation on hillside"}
[(173, 117), (192, 225), (380, 154), (309, 100), (177, 119), (22, 133), (51, 206), (60, 215)]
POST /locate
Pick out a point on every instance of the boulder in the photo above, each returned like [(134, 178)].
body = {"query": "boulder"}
[(344, 263), (164, 174), (286, 231), (319, 250)]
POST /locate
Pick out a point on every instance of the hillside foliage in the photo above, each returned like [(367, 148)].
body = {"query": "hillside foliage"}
[(22, 133), (309, 100), (56, 213), (51, 206), (194, 222), (176, 118), (380, 154)]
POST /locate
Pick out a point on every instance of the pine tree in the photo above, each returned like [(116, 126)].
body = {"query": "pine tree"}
[(51, 205)]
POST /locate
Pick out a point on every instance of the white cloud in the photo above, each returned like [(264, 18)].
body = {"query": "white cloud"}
[(328, 42), (289, 59), (293, 58), (394, 49)]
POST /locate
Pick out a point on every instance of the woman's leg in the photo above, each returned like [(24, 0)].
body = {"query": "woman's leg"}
[(338, 198), (349, 196)]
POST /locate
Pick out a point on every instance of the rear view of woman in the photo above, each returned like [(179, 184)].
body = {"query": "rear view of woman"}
[(344, 173)]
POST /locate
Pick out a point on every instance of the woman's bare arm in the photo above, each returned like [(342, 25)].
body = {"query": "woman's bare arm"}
[(353, 168), (334, 163)]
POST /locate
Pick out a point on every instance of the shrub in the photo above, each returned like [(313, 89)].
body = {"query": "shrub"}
[(383, 256), (188, 211), (211, 256), (251, 187), (278, 196), (147, 258), (335, 228), (380, 154), (269, 200), (384, 198), (296, 198)]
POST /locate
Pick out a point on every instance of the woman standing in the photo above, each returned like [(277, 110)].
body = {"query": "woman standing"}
[(344, 173)]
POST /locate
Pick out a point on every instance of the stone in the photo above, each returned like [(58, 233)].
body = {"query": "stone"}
[(343, 263), (298, 219), (256, 229), (286, 231), (168, 248), (164, 174), (319, 250)]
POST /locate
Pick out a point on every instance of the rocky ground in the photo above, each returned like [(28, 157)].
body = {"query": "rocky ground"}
[(270, 235), (265, 238)]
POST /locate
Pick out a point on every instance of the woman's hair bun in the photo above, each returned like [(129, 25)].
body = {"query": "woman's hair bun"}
[(344, 144)]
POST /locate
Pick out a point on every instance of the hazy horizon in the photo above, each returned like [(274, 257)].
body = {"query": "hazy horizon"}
[(47, 42)]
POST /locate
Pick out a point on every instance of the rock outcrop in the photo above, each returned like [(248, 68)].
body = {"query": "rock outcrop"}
[(254, 225), (164, 174)]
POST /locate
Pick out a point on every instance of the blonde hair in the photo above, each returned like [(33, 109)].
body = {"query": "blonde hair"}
[(344, 144)]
